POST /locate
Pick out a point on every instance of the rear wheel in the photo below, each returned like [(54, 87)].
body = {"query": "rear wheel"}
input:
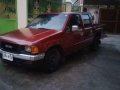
[(95, 44), (53, 59)]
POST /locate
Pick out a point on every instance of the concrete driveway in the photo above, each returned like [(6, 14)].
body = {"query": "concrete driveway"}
[(88, 70)]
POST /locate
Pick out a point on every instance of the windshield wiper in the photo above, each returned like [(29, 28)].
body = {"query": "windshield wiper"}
[(44, 28)]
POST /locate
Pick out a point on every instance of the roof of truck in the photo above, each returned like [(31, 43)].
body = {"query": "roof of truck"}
[(67, 13)]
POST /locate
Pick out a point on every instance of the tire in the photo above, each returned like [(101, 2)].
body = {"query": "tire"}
[(95, 45), (52, 60)]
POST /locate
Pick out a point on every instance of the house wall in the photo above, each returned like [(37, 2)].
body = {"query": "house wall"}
[(95, 14)]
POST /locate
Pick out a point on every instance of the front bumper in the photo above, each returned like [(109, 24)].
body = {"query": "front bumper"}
[(27, 57)]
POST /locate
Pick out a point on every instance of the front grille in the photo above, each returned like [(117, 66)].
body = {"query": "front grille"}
[(13, 48)]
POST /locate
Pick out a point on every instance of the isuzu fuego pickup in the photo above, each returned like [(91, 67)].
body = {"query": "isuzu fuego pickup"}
[(49, 38)]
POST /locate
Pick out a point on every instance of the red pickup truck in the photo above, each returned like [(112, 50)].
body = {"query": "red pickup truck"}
[(50, 37)]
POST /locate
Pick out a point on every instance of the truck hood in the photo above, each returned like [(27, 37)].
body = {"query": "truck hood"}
[(26, 35)]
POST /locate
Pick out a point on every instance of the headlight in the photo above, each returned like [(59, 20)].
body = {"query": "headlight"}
[(27, 48), (32, 49)]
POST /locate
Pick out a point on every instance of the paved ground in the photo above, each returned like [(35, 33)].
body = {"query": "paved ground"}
[(83, 71)]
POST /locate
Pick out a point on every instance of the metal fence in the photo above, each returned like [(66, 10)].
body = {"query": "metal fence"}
[(36, 7), (7, 8)]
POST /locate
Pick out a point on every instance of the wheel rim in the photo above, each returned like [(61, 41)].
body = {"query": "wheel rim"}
[(53, 59)]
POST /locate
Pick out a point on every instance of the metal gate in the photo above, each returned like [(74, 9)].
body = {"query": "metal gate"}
[(111, 18)]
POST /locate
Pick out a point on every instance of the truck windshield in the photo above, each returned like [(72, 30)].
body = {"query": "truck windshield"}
[(49, 21)]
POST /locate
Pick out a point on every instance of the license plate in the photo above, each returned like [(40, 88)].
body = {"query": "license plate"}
[(7, 56)]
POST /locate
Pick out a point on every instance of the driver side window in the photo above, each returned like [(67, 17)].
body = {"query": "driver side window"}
[(74, 21)]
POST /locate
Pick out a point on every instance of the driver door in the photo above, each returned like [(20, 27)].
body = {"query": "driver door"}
[(74, 33)]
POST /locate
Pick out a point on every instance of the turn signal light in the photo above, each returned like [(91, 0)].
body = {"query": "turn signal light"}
[(34, 50)]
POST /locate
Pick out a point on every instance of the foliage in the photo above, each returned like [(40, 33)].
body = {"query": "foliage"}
[(10, 6), (43, 6)]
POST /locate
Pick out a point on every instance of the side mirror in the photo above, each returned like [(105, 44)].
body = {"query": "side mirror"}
[(75, 28)]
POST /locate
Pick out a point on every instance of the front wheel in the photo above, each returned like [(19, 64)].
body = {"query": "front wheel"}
[(52, 61)]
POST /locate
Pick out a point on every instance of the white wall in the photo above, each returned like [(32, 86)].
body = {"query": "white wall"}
[(68, 7), (22, 13), (95, 13)]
